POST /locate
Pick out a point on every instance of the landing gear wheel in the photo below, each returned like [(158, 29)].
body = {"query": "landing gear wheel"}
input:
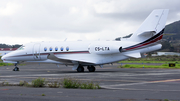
[(91, 68), (80, 69), (16, 69)]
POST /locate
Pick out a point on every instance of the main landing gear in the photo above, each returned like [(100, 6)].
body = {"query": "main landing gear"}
[(16, 68), (80, 68), (90, 68)]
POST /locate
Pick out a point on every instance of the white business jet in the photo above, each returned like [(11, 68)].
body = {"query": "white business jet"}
[(94, 53)]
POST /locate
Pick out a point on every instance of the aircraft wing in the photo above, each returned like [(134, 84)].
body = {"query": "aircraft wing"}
[(68, 60), (53, 57)]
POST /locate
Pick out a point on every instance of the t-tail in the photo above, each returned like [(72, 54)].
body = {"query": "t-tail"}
[(148, 35), (152, 28)]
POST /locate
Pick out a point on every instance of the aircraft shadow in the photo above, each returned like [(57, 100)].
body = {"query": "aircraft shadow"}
[(87, 72)]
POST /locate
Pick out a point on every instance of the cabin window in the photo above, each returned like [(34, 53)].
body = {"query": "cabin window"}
[(45, 48), (56, 49), (50, 49), (67, 48), (61, 48)]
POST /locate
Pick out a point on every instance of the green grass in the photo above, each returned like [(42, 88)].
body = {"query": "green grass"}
[(163, 66), (67, 82), (54, 84), (5, 83), (43, 95), (71, 83), (24, 83), (141, 61), (89, 85), (153, 59), (166, 100), (6, 64), (39, 82), (74, 83)]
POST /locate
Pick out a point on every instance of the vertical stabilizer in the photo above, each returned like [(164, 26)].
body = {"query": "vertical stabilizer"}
[(153, 24)]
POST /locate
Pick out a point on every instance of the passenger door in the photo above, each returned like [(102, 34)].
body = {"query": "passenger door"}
[(36, 51)]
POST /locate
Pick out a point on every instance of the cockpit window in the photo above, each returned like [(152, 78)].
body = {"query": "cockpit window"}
[(21, 48)]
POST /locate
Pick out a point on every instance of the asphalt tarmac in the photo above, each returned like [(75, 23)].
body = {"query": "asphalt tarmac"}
[(118, 84)]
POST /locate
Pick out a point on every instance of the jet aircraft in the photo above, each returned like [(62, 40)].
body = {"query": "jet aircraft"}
[(147, 38)]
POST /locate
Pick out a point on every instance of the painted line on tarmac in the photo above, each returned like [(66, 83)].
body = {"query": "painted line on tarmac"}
[(37, 75), (134, 89), (131, 84), (55, 78)]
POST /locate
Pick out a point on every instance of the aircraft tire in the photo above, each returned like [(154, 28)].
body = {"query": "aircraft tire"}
[(16, 69), (91, 68), (80, 69)]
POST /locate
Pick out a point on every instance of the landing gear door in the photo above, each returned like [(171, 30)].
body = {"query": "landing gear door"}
[(36, 51)]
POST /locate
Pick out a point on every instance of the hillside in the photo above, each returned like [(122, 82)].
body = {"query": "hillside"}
[(171, 39), (9, 46), (173, 27), (174, 30)]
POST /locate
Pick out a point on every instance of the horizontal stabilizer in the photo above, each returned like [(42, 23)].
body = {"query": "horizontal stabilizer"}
[(147, 33), (134, 55)]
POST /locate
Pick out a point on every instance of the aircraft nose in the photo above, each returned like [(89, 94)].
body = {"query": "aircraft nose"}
[(3, 58)]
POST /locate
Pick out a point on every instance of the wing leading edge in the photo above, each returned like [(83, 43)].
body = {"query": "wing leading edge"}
[(68, 60)]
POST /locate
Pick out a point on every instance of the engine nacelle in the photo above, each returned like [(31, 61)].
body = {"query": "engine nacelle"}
[(104, 49)]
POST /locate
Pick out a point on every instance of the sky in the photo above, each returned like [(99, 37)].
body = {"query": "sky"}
[(24, 21)]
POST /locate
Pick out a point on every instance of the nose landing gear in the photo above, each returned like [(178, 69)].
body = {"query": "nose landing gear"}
[(16, 68)]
